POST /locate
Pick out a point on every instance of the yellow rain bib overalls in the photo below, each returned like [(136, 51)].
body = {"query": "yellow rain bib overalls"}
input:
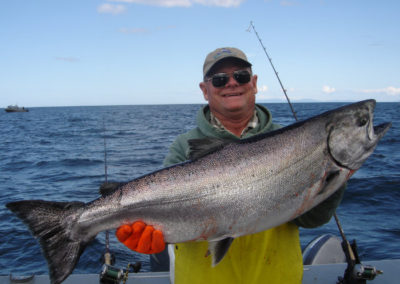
[(272, 256)]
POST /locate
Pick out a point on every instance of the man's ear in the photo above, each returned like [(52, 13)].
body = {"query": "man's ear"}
[(204, 89), (254, 83)]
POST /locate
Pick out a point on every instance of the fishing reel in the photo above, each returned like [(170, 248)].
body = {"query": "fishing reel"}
[(111, 274), (356, 272), (365, 272), (359, 274)]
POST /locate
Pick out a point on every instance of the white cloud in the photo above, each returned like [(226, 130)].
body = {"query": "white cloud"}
[(263, 88), (220, 3), (111, 9), (328, 89), (162, 3), (391, 91), (184, 3)]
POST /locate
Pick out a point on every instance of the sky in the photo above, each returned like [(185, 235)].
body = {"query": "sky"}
[(130, 52)]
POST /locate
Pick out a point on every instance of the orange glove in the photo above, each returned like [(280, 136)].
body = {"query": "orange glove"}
[(141, 238)]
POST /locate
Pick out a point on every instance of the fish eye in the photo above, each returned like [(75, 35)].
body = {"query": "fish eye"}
[(362, 121)]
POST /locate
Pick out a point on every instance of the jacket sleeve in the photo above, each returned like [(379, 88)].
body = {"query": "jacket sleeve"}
[(177, 152), (322, 213)]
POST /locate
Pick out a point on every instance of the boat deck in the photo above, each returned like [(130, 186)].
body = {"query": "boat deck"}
[(313, 274)]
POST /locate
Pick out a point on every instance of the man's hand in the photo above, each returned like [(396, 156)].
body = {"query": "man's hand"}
[(141, 238)]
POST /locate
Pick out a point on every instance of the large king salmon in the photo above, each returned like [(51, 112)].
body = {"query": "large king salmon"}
[(233, 190)]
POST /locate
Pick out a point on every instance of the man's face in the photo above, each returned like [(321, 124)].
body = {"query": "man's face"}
[(233, 97)]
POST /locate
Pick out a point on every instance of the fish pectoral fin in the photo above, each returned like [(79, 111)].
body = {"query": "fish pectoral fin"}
[(219, 249), (201, 147)]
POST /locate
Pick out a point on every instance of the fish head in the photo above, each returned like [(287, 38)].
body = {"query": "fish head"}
[(352, 137)]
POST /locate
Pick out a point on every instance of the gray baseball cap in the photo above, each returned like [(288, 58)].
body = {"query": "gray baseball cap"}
[(222, 53)]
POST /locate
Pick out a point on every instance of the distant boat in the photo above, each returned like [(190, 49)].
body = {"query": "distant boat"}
[(16, 108)]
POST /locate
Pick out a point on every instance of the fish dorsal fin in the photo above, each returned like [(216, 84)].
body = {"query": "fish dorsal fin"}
[(201, 147), (219, 249), (109, 188)]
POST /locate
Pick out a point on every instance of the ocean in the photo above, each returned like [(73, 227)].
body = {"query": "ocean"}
[(57, 153)]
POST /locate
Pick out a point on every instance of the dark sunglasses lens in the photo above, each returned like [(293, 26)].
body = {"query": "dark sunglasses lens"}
[(220, 80), (242, 77)]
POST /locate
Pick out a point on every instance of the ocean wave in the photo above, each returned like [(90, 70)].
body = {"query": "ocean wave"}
[(69, 162)]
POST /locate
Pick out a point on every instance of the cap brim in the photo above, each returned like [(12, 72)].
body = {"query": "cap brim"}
[(233, 58)]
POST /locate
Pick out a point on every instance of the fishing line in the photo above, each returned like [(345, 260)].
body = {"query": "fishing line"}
[(107, 255)]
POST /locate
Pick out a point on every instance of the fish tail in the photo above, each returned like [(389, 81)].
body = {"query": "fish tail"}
[(51, 223)]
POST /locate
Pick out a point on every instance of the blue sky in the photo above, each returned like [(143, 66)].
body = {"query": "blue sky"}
[(123, 52)]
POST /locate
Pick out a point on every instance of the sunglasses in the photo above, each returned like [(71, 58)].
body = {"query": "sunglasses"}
[(219, 80)]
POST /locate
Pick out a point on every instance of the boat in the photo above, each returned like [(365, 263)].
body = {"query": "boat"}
[(16, 108), (325, 262)]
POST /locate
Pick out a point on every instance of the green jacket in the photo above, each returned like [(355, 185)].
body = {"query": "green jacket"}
[(179, 150)]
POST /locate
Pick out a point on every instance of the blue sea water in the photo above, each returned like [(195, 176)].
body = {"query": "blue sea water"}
[(57, 154)]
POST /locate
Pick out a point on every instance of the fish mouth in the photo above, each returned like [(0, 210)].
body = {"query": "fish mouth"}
[(375, 133), (381, 129)]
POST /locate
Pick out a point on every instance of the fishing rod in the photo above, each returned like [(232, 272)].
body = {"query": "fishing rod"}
[(273, 68), (111, 274), (355, 271), (106, 181)]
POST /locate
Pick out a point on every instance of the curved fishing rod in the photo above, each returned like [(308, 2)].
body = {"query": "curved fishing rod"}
[(273, 67), (355, 272)]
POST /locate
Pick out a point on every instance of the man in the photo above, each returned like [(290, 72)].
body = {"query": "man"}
[(272, 256)]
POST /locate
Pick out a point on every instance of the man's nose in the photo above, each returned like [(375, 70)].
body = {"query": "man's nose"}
[(231, 82)]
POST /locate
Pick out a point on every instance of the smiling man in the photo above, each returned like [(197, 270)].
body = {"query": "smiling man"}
[(230, 89), (272, 256)]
